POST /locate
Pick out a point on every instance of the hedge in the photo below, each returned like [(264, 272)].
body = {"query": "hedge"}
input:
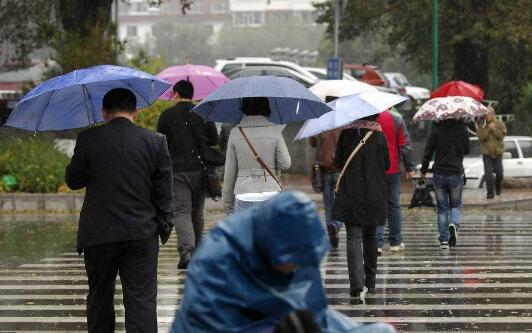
[(35, 163)]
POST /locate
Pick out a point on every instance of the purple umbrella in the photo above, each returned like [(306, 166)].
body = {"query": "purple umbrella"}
[(204, 79)]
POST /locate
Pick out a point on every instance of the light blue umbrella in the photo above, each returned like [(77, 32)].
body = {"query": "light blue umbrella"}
[(74, 100), (348, 109), (289, 100)]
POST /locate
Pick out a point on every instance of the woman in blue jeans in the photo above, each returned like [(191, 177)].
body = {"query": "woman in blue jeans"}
[(448, 143)]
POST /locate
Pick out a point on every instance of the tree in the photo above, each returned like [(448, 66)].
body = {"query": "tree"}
[(475, 38)]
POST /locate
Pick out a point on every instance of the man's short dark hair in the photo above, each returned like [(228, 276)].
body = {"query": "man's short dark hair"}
[(119, 100), (256, 106), (184, 88)]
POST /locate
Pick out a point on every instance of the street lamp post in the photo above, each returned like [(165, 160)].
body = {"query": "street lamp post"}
[(435, 49), (336, 25)]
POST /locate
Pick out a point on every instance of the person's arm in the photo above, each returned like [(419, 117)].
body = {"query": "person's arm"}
[(385, 152), (162, 195), (211, 133), (76, 171), (405, 147), (339, 156), (483, 134), (282, 156), (466, 141), (499, 131), (429, 152), (230, 175)]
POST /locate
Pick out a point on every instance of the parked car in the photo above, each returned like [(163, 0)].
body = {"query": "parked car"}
[(367, 73), (517, 161), (264, 66), (416, 95), (321, 73)]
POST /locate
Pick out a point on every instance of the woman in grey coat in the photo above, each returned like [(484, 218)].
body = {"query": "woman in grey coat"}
[(243, 173)]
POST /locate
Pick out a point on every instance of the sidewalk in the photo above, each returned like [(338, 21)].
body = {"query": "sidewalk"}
[(472, 198)]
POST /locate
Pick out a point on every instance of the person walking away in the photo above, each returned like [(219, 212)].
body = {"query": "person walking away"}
[(361, 197), (186, 133), (448, 143), (325, 144), (491, 138), (271, 255), (243, 173), (400, 149), (127, 172)]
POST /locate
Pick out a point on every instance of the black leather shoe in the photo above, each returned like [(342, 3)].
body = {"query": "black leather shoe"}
[(354, 293), (490, 196), (184, 260)]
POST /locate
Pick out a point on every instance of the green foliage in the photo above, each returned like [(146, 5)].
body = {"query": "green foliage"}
[(523, 114), (35, 163), (147, 64), (483, 42), (149, 116)]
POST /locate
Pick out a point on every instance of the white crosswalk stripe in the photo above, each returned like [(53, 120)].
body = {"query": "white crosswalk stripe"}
[(482, 285)]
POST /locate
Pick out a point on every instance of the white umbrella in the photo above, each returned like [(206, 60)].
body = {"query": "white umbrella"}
[(339, 88), (348, 109), (450, 107)]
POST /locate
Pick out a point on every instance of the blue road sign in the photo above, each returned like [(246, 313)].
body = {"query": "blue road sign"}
[(335, 68)]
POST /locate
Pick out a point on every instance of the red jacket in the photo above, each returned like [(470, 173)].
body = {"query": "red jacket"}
[(398, 142)]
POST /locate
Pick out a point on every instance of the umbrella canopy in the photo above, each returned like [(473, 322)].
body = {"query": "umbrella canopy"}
[(450, 107), (74, 100), (289, 100), (458, 88), (339, 88), (348, 109), (204, 79)]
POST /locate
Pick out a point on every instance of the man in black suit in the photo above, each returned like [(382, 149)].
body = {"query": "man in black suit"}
[(187, 133), (127, 172)]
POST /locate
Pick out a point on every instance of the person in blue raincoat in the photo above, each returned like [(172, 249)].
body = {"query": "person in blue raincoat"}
[(257, 266)]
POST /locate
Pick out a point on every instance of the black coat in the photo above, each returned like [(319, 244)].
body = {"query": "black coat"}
[(448, 143), (186, 133), (127, 173), (362, 196)]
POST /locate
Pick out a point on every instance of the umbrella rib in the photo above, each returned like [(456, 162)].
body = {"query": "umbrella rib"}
[(42, 114), (85, 96)]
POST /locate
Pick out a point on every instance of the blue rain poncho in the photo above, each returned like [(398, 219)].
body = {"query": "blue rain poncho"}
[(231, 285)]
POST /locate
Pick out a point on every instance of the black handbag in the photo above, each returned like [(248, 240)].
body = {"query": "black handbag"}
[(211, 156), (316, 178), (213, 188), (421, 196)]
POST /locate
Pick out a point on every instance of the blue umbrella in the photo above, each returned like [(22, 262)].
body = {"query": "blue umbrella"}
[(289, 100), (74, 100)]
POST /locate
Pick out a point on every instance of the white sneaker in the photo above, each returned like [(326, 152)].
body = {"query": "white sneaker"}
[(397, 248), (444, 245), (379, 251)]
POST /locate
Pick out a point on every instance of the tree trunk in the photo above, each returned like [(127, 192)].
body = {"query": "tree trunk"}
[(79, 16)]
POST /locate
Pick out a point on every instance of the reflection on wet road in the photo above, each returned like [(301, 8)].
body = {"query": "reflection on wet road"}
[(482, 285)]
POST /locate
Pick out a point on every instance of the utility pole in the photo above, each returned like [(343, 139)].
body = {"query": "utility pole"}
[(337, 6), (435, 47)]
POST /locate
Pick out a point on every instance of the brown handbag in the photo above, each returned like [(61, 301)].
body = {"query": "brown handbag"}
[(259, 159)]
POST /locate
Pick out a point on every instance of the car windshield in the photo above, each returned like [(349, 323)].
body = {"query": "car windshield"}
[(401, 80)]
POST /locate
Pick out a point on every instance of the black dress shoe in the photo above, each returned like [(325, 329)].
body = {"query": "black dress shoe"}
[(184, 260), (490, 196), (498, 192)]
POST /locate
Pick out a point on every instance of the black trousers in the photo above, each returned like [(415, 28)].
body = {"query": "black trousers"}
[(493, 165), (136, 261), (361, 256)]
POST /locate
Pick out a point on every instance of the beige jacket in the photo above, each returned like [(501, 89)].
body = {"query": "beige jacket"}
[(492, 139), (243, 174)]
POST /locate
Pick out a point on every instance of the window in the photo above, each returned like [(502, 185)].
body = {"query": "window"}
[(526, 148), (219, 7), (510, 146), (131, 31), (248, 18), (358, 73)]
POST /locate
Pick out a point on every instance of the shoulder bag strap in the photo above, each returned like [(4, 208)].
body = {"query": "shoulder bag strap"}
[(258, 158), (357, 148)]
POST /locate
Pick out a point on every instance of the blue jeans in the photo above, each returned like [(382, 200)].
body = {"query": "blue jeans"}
[(448, 190), (394, 212), (329, 183)]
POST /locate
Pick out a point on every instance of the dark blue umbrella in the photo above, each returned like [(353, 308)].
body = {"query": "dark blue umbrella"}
[(289, 100), (74, 100)]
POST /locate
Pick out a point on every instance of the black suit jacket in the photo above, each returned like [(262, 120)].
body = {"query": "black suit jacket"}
[(186, 133), (127, 172)]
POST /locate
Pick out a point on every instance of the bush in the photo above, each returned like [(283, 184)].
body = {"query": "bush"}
[(35, 163), (523, 112), (149, 116)]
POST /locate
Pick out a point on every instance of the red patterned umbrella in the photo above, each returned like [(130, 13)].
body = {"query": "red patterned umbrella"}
[(459, 88)]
